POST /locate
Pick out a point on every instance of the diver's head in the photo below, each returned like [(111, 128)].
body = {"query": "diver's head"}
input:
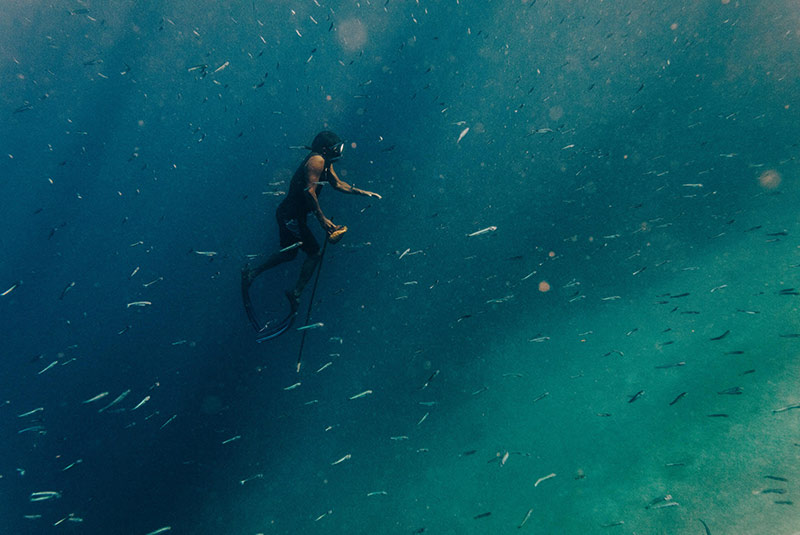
[(329, 145)]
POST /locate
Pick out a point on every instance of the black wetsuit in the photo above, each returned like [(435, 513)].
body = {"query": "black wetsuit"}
[(295, 207)]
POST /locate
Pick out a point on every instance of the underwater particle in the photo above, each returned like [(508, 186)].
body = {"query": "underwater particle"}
[(769, 179), (551, 254), (544, 286)]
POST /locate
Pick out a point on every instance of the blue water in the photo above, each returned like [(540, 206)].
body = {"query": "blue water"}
[(627, 153)]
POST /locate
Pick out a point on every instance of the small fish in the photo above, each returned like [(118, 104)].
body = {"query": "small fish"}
[(47, 367), (221, 67), (148, 284), (165, 424), (24, 107), (461, 135), (541, 397), (206, 253), (677, 398), (734, 391), (312, 326), (117, 400), (543, 479), (663, 505), (776, 478), (34, 411), (718, 415), (346, 457), (527, 516), (292, 246), (362, 394), (67, 288), (145, 400), (636, 396), (292, 387), (44, 495), (237, 437), (660, 500), (11, 289), (139, 304), (500, 299), (431, 378), (612, 524), (482, 515), (720, 337), (251, 478), (482, 231), (773, 491), (71, 465), (37, 428), (787, 408), (675, 365)]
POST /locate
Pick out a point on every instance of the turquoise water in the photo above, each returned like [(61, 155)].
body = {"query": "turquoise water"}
[(635, 163)]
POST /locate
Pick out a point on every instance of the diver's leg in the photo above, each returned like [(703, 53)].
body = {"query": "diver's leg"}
[(274, 259), (311, 248), (247, 278), (289, 233), (306, 272)]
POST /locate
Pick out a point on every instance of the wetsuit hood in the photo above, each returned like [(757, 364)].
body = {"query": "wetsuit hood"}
[(329, 145)]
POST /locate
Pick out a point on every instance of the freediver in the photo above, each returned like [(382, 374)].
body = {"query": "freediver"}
[(301, 200)]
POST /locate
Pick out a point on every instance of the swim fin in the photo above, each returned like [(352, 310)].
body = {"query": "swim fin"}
[(248, 305), (277, 330)]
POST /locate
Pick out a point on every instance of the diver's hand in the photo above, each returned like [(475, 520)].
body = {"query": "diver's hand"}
[(369, 194), (328, 225)]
